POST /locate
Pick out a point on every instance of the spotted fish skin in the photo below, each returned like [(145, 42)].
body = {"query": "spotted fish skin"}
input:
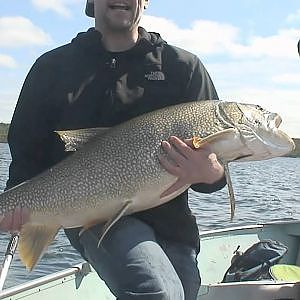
[(119, 169)]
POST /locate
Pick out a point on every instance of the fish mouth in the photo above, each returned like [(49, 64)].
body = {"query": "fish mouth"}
[(285, 142), (289, 144), (262, 135)]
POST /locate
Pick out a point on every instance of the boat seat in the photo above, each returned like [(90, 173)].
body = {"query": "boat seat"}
[(288, 273)]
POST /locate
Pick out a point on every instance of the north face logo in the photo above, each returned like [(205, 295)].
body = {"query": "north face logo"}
[(155, 76)]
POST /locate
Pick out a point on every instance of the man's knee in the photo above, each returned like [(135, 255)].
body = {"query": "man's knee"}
[(156, 291)]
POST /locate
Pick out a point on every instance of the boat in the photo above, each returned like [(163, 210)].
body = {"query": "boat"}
[(217, 249)]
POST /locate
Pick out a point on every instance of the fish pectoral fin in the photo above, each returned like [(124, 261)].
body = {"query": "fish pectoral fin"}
[(226, 134), (197, 142), (113, 220), (215, 137), (34, 239), (75, 139)]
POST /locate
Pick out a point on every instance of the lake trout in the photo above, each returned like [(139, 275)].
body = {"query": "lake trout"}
[(116, 172)]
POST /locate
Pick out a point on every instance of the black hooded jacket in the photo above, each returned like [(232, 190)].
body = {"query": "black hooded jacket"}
[(81, 85)]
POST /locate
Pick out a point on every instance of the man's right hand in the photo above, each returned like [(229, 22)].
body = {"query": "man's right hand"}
[(189, 165), (13, 220)]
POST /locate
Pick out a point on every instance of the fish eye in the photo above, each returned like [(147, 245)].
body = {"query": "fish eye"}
[(257, 122), (259, 107)]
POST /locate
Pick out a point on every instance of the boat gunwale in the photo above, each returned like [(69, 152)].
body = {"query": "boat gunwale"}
[(41, 281), (230, 229), (246, 227)]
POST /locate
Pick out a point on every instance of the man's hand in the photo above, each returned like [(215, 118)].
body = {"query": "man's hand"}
[(14, 220), (190, 165)]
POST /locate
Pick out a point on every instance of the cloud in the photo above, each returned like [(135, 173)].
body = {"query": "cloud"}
[(211, 38), (204, 37), (61, 7), (294, 17), (18, 32), (288, 78), (265, 72), (281, 45), (7, 61)]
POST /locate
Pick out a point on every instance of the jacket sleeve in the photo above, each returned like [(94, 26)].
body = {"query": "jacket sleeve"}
[(201, 87), (30, 132)]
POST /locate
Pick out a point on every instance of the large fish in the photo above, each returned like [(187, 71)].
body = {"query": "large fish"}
[(117, 172)]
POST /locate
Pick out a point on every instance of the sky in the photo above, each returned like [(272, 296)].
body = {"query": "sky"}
[(249, 47)]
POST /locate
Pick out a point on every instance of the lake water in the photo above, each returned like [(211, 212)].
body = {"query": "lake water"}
[(265, 191)]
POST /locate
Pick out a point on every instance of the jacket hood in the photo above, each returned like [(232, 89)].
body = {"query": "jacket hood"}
[(91, 41)]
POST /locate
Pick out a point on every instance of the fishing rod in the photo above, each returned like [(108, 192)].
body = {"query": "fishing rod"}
[(9, 254)]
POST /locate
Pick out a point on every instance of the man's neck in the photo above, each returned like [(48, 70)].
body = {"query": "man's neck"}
[(119, 41)]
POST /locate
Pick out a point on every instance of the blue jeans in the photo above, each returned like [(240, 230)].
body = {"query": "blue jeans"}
[(136, 264)]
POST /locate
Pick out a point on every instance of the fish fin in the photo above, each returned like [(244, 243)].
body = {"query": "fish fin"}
[(75, 139), (113, 220), (230, 190), (34, 239), (197, 142), (220, 135)]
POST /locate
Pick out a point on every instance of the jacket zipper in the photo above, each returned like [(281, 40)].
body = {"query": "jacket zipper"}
[(113, 63), (110, 91)]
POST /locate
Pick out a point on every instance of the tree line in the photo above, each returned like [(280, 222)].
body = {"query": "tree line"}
[(3, 132)]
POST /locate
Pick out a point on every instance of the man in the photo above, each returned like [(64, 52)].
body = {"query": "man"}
[(105, 76)]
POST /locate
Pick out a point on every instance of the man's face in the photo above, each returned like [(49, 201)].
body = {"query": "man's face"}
[(118, 15)]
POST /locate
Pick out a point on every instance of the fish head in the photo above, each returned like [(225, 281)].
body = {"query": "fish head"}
[(259, 132)]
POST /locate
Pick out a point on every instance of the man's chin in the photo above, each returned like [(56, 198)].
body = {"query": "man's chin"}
[(118, 24), (121, 27)]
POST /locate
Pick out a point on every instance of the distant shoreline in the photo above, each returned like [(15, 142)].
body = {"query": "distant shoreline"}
[(4, 131)]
